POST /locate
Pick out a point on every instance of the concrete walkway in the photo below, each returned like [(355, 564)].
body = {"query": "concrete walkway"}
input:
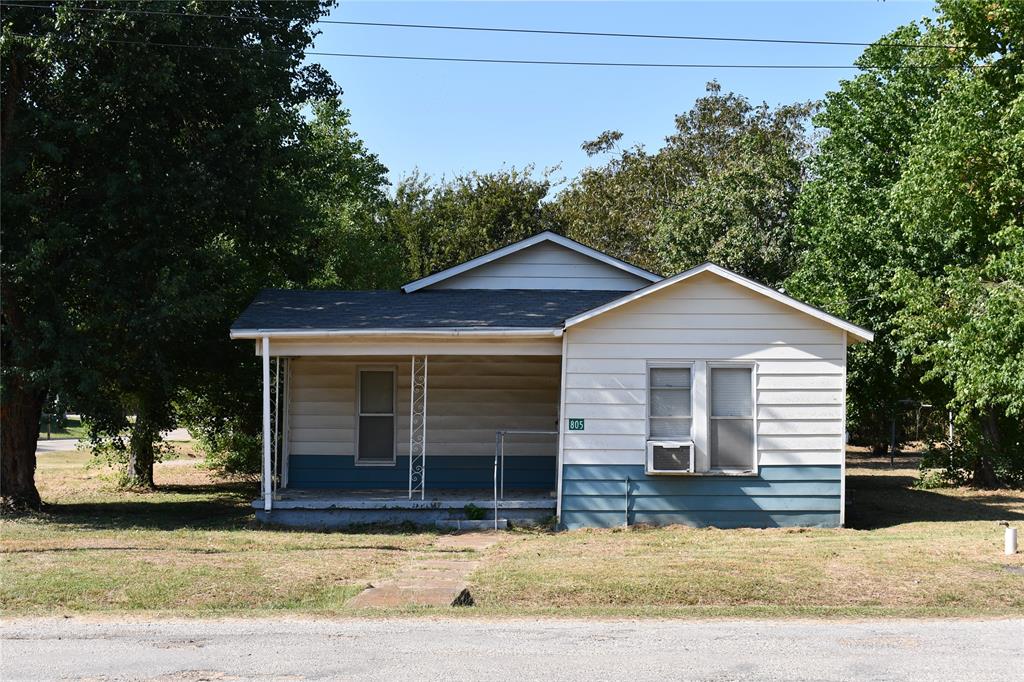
[(429, 581), (484, 649)]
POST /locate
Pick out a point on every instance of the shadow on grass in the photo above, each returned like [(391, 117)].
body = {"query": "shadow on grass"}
[(207, 506), (881, 501), (206, 514)]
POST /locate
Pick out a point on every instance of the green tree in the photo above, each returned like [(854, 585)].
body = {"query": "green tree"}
[(147, 192), (346, 184), (961, 296), (349, 244), (911, 226), (848, 239), (455, 220), (722, 188)]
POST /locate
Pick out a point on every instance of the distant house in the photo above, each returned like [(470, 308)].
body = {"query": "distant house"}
[(547, 378)]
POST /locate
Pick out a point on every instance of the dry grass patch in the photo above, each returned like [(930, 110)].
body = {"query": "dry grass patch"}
[(911, 551), (191, 547)]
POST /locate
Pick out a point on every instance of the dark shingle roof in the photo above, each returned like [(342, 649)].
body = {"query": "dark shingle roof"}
[(280, 309)]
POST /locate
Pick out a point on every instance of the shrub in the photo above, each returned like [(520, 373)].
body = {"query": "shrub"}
[(231, 451), (931, 479), (474, 513)]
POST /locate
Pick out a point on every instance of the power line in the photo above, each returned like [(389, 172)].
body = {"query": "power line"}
[(656, 36), (493, 29), (472, 60)]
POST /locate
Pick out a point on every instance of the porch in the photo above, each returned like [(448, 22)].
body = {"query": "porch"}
[(445, 508), (451, 440)]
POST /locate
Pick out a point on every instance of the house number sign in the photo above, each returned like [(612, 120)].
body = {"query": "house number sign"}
[(575, 424)]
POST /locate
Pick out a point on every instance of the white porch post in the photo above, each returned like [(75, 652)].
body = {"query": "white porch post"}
[(559, 463), (267, 483)]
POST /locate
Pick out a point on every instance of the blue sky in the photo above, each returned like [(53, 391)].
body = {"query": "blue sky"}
[(447, 118)]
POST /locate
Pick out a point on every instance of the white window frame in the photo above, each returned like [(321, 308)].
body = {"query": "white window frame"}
[(752, 366), (668, 364), (359, 462)]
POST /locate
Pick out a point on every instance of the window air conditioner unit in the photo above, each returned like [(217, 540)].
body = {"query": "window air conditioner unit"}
[(669, 457)]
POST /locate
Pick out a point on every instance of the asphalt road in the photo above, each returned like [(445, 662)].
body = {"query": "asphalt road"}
[(56, 445), (472, 649), (69, 444)]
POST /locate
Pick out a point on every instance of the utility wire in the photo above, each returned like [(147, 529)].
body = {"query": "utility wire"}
[(471, 60), (656, 36), (492, 29)]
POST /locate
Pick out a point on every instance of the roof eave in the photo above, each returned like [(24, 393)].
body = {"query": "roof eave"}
[(421, 332)]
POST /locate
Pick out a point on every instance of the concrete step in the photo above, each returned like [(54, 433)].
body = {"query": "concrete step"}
[(466, 524)]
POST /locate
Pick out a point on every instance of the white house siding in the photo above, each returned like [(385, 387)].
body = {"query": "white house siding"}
[(545, 266), (469, 398), (800, 375)]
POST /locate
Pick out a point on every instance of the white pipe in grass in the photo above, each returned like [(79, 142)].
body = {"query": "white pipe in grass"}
[(1010, 541)]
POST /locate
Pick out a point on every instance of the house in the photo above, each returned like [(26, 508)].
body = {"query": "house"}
[(549, 379)]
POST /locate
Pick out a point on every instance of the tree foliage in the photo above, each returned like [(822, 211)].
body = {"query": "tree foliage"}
[(912, 226), (147, 192), (446, 223), (722, 188), (348, 244), (962, 295)]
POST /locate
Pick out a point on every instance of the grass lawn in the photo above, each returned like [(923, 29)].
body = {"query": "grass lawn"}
[(73, 428), (192, 549)]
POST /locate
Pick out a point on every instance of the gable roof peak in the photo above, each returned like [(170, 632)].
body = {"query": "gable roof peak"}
[(540, 237), (857, 333)]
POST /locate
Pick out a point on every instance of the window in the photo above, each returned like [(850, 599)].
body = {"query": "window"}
[(376, 417), (669, 416), (731, 417)]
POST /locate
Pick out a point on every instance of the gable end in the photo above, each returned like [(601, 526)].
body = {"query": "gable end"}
[(544, 261)]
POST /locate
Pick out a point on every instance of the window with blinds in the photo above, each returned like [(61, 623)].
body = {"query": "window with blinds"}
[(670, 416), (731, 417)]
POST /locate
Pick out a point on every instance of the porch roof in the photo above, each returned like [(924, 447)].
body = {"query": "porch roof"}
[(283, 310)]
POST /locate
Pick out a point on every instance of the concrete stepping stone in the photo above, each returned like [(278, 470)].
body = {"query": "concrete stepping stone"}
[(430, 582)]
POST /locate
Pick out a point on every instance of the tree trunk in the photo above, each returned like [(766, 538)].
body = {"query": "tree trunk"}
[(141, 453), (984, 475), (20, 411)]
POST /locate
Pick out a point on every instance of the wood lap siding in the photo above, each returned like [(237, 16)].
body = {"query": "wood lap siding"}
[(799, 386), (545, 266), (596, 495), (469, 398)]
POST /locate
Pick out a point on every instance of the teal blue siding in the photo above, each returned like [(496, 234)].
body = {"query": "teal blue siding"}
[(456, 472), (595, 495)]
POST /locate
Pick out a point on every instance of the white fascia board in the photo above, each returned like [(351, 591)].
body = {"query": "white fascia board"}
[(450, 332), (545, 236), (858, 333)]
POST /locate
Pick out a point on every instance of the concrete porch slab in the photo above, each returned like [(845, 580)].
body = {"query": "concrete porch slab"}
[(471, 524), (337, 509), (397, 499)]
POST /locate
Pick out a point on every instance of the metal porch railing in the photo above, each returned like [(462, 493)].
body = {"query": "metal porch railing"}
[(499, 463)]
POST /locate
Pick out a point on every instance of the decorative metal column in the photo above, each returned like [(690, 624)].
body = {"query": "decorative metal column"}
[(418, 426), (286, 401), (279, 374)]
